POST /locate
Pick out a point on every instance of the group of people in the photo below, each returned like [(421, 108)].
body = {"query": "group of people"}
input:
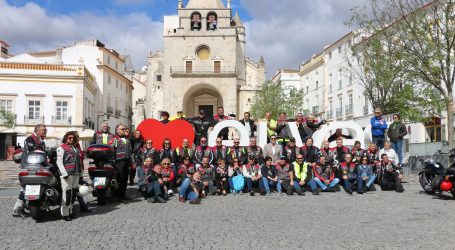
[(194, 170)]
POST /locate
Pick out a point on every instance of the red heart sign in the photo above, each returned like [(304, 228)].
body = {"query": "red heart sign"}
[(176, 131)]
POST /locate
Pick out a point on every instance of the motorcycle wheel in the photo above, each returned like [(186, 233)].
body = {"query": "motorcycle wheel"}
[(426, 185), (35, 212), (101, 196)]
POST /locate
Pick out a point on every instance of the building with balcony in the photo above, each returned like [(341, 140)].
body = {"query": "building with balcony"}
[(61, 96), (203, 63)]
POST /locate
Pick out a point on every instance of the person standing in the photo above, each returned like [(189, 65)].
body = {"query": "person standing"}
[(396, 132), (304, 131), (271, 125), (122, 148), (103, 136), (31, 143), (70, 167), (273, 150), (165, 117), (219, 117), (137, 143), (201, 126), (282, 131), (378, 127), (248, 123)]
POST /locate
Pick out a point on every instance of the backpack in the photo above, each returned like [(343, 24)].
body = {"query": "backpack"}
[(239, 182)]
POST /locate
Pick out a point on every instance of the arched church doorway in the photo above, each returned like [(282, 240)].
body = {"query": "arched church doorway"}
[(202, 97)]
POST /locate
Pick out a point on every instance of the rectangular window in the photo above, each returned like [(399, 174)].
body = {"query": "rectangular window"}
[(217, 67), (330, 82), (116, 83), (340, 75), (62, 110), (34, 108), (6, 105), (189, 67), (109, 79), (116, 65), (330, 55), (317, 85), (339, 50), (158, 78), (108, 59)]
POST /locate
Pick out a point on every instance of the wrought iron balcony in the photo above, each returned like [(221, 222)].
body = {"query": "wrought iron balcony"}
[(201, 71), (349, 110), (61, 120), (339, 112), (33, 120)]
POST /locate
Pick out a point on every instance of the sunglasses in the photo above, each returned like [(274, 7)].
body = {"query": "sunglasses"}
[(236, 161), (70, 138), (218, 142), (298, 159), (272, 138), (122, 129), (166, 163)]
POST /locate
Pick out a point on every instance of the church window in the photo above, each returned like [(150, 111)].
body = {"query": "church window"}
[(196, 21), (158, 78), (189, 67), (217, 66), (212, 21), (203, 52)]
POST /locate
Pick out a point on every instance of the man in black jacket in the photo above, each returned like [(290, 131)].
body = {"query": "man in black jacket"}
[(136, 144), (31, 143), (396, 132), (201, 126), (391, 175), (248, 123)]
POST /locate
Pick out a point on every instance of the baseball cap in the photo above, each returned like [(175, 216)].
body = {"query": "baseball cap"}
[(282, 157), (292, 139)]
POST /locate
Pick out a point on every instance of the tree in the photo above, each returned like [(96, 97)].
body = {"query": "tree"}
[(424, 38), (6, 119), (275, 98)]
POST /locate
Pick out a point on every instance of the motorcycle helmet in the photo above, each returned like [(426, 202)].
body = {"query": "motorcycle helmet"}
[(85, 190), (446, 186)]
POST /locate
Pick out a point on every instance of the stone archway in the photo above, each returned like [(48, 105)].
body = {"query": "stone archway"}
[(201, 96)]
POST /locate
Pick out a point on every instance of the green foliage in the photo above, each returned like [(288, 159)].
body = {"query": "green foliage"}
[(6, 119), (275, 98)]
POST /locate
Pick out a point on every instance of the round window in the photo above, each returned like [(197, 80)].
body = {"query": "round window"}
[(203, 52)]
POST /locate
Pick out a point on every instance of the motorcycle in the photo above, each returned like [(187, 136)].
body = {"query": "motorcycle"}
[(102, 171), (40, 181), (434, 177)]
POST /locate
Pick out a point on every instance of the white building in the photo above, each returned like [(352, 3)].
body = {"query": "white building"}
[(289, 78), (203, 63), (71, 88), (312, 79), (59, 95)]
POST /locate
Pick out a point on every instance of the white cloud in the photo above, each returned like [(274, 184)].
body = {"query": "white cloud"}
[(31, 28), (288, 32)]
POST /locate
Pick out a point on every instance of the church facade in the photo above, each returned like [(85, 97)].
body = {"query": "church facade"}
[(203, 63)]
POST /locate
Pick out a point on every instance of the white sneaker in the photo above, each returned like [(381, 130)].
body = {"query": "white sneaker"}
[(170, 192)]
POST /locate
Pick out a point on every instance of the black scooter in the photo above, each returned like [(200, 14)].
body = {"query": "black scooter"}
[(102, 171), (435, 177), (40, 181)]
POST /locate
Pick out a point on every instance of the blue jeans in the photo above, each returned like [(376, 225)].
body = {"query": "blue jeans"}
[(186, 192), (379, 141), (153, 189), (369, 181), (269, 183), (250, 183), (398, 147), (348, 183), (311, 184), (323, 186), (140, 176)]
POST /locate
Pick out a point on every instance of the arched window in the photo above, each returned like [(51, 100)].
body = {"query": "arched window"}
[(212, 21), (196, 22)]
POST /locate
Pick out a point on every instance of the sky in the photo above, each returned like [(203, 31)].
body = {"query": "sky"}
[(285, 32)]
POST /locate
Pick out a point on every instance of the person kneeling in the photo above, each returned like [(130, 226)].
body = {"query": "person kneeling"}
[(191, 189), (324, 176), (391, 175), (366, 177), (155, 185)]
